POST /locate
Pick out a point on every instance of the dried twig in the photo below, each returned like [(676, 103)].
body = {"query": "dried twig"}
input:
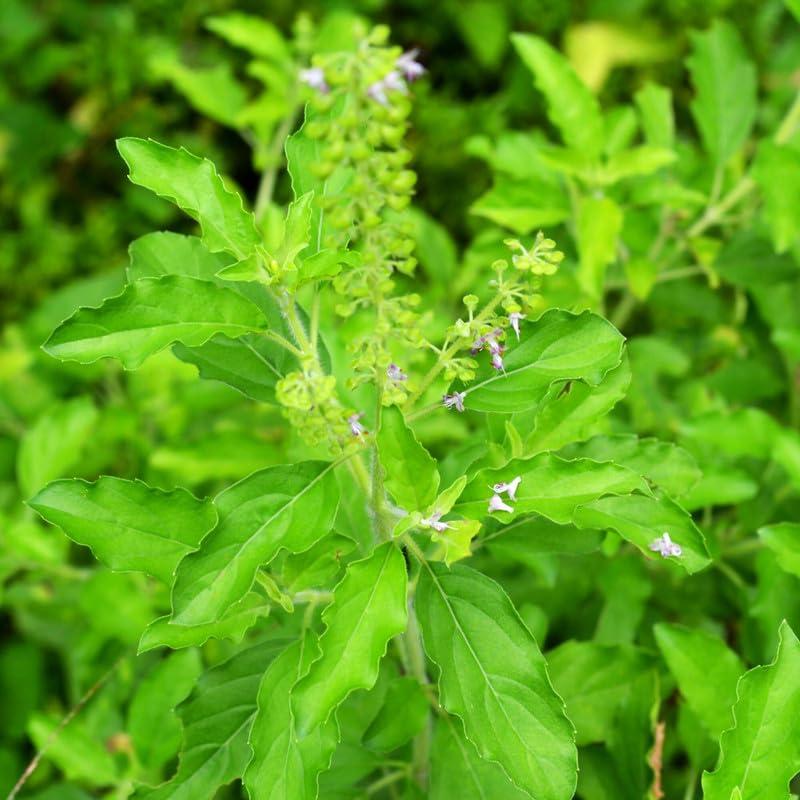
[(656, 760)]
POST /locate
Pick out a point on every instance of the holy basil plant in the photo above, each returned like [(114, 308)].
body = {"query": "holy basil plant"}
[(369, 650)]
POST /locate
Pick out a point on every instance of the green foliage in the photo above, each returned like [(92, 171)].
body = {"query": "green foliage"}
[(437, 437)]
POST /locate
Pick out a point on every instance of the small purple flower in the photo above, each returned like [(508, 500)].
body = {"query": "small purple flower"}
[(394, 373), (455, 400), (433, 522), (497, 359), (510, 487), (514, 317), (393, 82), (498, 504), (315, 78), (665, 546), (356, 428), (409, 66), (377, 91)]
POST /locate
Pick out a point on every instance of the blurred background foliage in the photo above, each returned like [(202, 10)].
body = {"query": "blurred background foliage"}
[(77, 74)]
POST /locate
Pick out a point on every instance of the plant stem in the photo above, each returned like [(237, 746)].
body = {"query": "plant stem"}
[(266, 186), (386, 780)]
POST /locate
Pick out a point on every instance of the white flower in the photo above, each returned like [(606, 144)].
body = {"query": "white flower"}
[(455, 400), (356, 428), (665, 546), (315, 78), (498, 504), (433, 522), (409, 66), (497, 360), (394, 373), (514, 317), (393, 82), (510, 487)]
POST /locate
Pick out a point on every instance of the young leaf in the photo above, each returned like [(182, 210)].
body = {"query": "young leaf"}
[(784, 540), (641, 520), (575, 408), (194, 185), (368, 609), (761, 753), (559, 346), (54, 445), (599, 225), (289, 507), (550, 486), (411, 474), (724, 79), (493, 676), (572, 108), (128, 525), (657, 117), (252, 33), (777, 172), (706, 671), (148, 316), (285, 766), (455, 762), (152, 724), (216, 722)]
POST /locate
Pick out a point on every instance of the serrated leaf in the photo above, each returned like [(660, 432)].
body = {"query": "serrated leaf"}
[(455, 762), (252, 33), (761, 753), (594, 680), (572, 108), (641, 520), (706, 671), (403, 714), (642, 160), (783, 539), (287, 507), (657, 117), (153, 727), (216, 723), (559, 346), (777, 172), (411, 474), (550, 486), (150, 315), (724, 106), (128, 525), (493, 676), (367, 610), (233, 625), (455, 540), (527, 539), (663, 463), (194, 185), (165, 253), (55, 443), (575, 408), (523, 206), (285, 765)]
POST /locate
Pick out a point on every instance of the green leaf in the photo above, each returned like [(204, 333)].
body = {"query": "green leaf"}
[(784, 540), (455, 541), (643, 160), (599, 226), (662, 463), (289, 507), (550, 486), (455, 762), (148, 316), (152, 724), (402, 716), (411, 474), (165, 253), (128, 525), (559, 346), (523, 206), (777, 172), (761, 753), (252, 33), (54, 445), (641, 520), (194, 185), (657, 117), (574, 409), (706, 671), (367, 610), (525, 540), (493, 676), (594, 680), (285, 766), (724, 79), (572, 108), (216, 722), (233, 625)]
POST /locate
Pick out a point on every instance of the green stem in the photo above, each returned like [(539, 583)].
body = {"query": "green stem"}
[(266, 186), (386, 780)]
